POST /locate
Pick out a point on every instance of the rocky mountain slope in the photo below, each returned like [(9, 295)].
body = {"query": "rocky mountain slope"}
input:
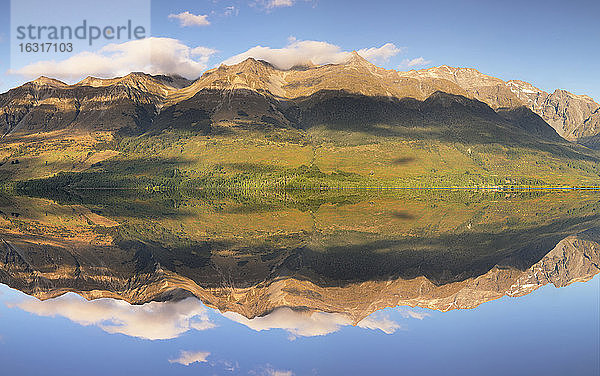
[(574, 117), (252, 125), (256, 91), (45, 105)]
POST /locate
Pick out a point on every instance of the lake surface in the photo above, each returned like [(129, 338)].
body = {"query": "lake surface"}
[(300, 283)]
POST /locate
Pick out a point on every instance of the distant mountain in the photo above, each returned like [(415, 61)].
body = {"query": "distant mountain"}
[(256, 91), (455, 127), (575, 117), (43, 105)]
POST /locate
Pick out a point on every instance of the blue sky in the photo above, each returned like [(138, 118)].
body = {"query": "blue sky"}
[(551, 44), (551, 331)]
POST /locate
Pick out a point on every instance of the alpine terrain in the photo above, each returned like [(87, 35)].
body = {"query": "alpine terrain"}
[(253, 126)]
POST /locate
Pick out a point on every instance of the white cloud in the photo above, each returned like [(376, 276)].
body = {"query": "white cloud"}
[(269, 370), (413, 314), (188, 357), (382, 323), (171, 56), (308, 324), (154, 320), (309, 51), (204, 53), (151, 55), (202, 324), (231, 11), (189, 19), (278, 372), (416, 62), (279, 3), (298, 323), (380, 55)]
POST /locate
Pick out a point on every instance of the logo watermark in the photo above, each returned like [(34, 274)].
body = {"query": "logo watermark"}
[(87, 32), (56, 30)]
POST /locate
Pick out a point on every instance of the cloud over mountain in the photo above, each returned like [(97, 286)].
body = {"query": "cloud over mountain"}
[(151, 55), (380, 55), (416, 62), (171, 56), (298, 52)]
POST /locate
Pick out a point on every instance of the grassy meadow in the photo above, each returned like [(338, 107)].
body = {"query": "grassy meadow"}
[(250, 158)]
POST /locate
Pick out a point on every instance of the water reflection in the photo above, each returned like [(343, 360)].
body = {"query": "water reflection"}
[(153, 320), (308, 268), (304, 323), (167, 320), (156, 267), (306, 309)]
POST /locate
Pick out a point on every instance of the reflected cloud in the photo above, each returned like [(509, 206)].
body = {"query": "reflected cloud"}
[(310, 324), (379, 322), (269, 370), (409, 313), (188, 357), (153, 321), (278, 372)]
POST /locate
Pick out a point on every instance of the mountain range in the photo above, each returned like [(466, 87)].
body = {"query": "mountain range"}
[(48, 104), (349, 104)]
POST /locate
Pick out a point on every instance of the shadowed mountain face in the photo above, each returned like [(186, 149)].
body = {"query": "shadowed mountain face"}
[(44, 105), (256, 91), (574, 117), (351, 256)]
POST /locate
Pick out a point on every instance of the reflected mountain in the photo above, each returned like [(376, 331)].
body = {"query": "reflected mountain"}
[(305, 264)]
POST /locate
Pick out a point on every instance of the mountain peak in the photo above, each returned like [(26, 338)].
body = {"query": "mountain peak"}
[(355, 58), (92, 81), (131, 78), (252, 62), (137, 74), (304, 66), (356, 61), (43, 80), (568, 94)]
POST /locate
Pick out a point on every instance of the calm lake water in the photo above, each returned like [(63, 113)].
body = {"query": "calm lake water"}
[(300, 283)]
